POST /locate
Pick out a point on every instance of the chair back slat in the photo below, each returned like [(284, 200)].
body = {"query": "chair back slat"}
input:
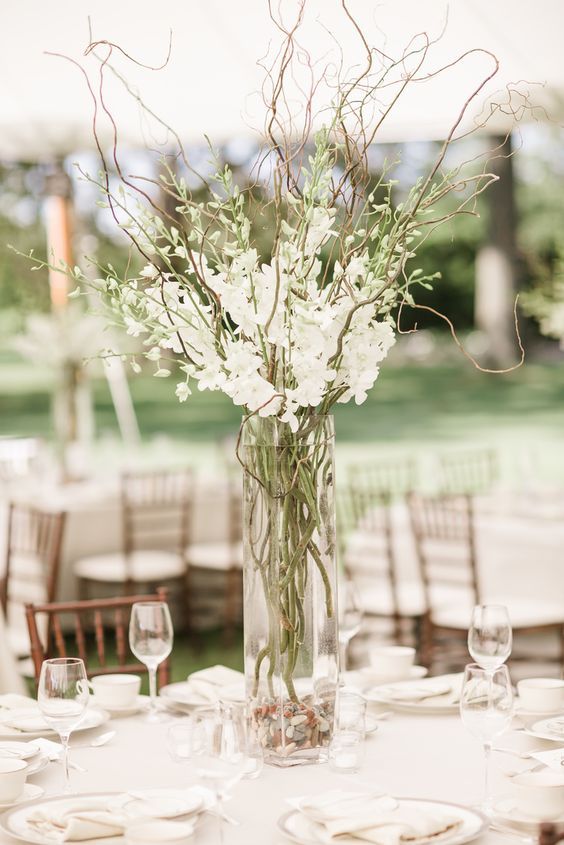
[(99, 634), (120, 636), (58, 635), (102, 613), (79, 637)]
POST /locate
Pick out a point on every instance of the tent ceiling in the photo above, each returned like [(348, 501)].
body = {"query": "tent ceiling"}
[(212, 81)]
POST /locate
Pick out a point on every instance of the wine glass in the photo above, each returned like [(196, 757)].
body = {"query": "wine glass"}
[(350, 617), (490, 636), (219, 754), (62, 696), (150, 639), (486, 708)]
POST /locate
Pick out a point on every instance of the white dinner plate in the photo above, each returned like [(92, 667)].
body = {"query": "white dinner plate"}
[(298, 828), (18, 750), (546, 729), (93, 718), (14, 821), (506, 810), (30, 793), (445, 704)]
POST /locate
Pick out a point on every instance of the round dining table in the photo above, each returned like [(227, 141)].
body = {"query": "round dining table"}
[(415, 756)]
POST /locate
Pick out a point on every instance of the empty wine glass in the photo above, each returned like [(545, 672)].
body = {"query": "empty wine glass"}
[(490, 636), (486, 708), (150, 639), (219, 752), (350, 617), (62, 696)]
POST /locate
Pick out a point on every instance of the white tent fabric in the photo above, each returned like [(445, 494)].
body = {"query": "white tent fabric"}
[(211, 84)]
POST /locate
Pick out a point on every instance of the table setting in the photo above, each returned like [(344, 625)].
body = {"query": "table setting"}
[(402, 764)]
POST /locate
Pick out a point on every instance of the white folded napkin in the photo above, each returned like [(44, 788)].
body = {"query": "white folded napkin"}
[(379, 819), (206, 684), (77, 820)]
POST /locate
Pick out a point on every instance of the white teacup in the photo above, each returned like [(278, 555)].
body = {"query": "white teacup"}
[(116, 690), (540, 794), (541, 695), (13, 774), (176, 833), (393, 661)]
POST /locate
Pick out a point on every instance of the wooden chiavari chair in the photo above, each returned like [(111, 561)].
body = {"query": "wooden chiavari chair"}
[(444, 533), (472, 471), (225, 557), (32, 563), (156, 512), (371, 561), (91, 620)]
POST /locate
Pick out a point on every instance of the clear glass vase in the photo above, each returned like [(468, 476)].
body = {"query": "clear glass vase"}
[(290, 586)]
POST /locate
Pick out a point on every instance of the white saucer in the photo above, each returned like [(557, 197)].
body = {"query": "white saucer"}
[(30, 792), (373, 677), (506, 809), (130, 710)]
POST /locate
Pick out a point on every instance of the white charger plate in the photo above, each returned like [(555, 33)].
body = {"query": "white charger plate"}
[(434, 705), (541, 729), (92, 718), (14, 821), (298, 828), (506, 810)]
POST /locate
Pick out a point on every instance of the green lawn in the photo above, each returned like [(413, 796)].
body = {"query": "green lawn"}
[(415, 408)]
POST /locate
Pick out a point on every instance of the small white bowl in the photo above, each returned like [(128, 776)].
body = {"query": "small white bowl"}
[(13, 774), (393, 661), (540, 794), (143, 832), (541, 695)]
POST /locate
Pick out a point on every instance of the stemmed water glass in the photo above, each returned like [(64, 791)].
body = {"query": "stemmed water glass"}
[(217, 748), (490, 637), (62, 696), (150, 639), (486, 708), (350, 617)]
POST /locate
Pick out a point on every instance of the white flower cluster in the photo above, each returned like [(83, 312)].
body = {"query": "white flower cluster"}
[(278, 338)]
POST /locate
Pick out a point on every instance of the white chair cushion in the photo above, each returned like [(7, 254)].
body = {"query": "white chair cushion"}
[(523, 613), (142, 566), (378, 599), (219, 556)]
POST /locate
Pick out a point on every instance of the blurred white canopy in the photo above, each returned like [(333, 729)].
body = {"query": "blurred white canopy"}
[(212, 82)]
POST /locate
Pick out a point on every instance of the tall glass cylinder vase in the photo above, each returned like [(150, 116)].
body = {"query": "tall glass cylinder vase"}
[(290, 613)]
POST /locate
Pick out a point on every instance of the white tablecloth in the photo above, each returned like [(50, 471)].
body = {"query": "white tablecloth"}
[(418, 757)]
